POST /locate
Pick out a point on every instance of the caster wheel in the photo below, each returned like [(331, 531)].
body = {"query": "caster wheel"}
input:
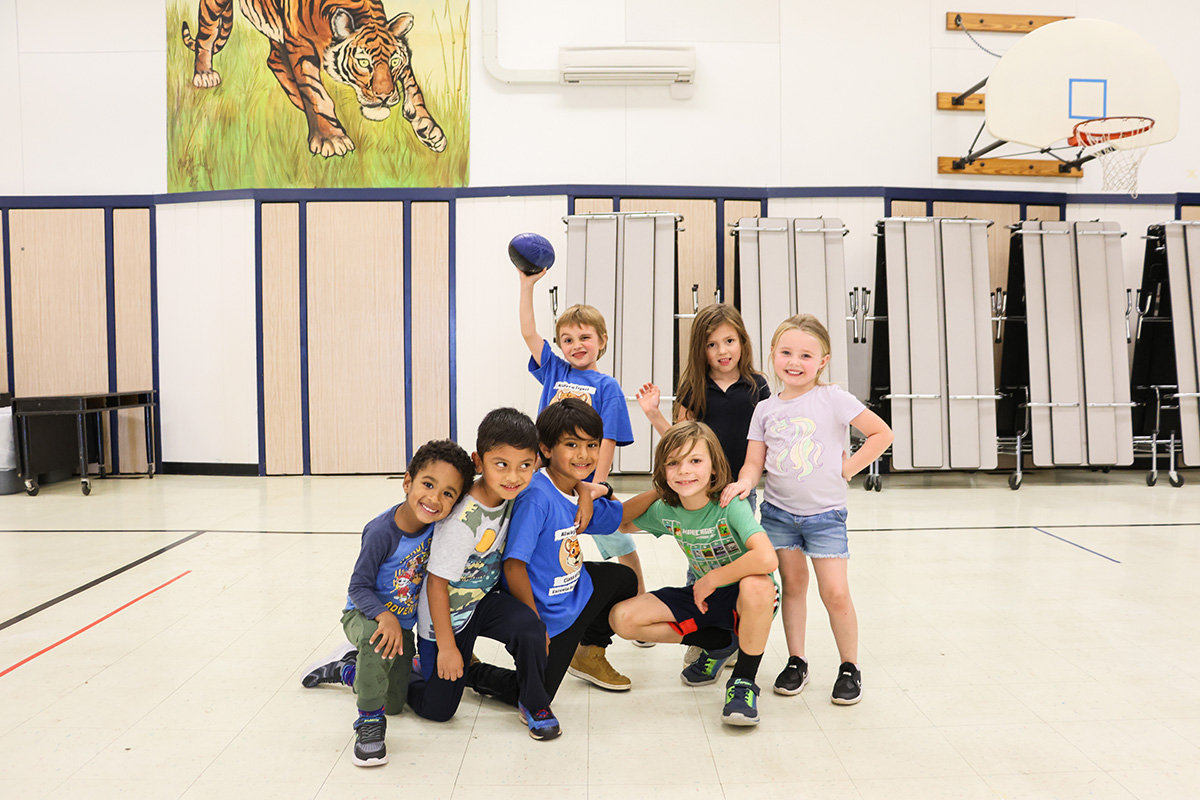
[(1151, 479), (1176, 480), (31, 488), (878, 484), (1106, 470), (86, 488), (868, 482), (1014, 481)]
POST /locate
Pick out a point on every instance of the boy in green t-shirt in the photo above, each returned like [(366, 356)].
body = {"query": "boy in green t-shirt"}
[(730, 606)]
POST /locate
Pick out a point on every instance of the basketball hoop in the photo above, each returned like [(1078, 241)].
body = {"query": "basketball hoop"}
[(1117, 145)]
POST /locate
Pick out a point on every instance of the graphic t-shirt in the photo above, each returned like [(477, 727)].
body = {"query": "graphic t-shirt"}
[(543, 535), (465, 550), (602, 392), (805, 437), (710, 537), (390, 569)]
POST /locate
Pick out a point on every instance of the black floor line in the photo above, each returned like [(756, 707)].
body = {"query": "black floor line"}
[(1081, 547), (101, 579)]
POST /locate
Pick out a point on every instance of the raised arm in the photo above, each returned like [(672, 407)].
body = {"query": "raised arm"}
[(648, 398), (529, 332), (604, 461), (752, 469), (879, 436)]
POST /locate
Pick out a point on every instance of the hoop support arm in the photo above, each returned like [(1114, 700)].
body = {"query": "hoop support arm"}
[(961, 99), (970, 157)]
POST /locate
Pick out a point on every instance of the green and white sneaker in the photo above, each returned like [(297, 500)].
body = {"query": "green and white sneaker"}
[(741, 703)]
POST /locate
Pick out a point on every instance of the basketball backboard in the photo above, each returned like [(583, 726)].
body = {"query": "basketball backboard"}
[(1077, 69)]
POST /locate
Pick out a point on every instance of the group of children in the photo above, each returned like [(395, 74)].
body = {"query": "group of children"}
[(487, 544)]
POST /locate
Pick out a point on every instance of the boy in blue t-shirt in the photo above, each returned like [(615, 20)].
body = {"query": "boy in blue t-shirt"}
[(381, 606), (581, 334), (543, 565), (461, 601)]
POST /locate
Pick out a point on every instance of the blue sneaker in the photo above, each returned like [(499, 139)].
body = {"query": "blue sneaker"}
[(741, 702), (704, 670), (542, 723)]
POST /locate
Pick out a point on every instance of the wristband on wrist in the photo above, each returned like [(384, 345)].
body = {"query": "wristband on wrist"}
[(609, 494)]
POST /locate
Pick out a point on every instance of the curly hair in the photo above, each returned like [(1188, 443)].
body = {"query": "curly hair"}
[(449, 452)]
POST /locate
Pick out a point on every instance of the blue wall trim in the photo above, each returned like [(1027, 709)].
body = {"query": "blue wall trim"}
[(158, 454), (305, 438), (453, 236), (110, 305), (258, 335), (406, 267), (7, 288)]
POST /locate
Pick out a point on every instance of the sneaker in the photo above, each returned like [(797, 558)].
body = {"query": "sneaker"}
[(691, 654), (330, 669), (741, 702), (369, 747), (847, 689), (590, 664), (543, 725), (704, 670), (640, 643), (793, 678)]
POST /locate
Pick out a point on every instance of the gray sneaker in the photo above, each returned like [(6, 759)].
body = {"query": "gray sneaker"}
[(370, 750)]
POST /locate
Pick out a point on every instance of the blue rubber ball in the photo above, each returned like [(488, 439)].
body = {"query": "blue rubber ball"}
[(531, 252)]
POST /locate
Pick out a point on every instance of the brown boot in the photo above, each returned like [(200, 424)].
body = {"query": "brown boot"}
[(590, 664)]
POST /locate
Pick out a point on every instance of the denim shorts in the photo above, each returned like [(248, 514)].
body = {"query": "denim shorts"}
[(818, 536), (614, 545)]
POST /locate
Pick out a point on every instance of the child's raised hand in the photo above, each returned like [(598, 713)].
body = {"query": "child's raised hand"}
[(648, 398), (528, 279), (449, 663), (390, 636), (736, 489)]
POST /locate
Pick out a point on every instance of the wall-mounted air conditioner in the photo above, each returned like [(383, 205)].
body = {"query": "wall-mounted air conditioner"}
[(624, 65)]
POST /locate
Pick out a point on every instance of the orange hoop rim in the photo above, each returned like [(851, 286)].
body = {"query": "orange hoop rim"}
[(1108, 129)]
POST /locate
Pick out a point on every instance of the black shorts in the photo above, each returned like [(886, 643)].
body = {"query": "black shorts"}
[(722, 608)]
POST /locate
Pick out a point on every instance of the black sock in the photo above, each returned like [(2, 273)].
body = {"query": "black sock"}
[(709, 638), (746, 666)]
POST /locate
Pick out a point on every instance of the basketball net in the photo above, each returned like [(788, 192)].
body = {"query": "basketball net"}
[(1119, 144)]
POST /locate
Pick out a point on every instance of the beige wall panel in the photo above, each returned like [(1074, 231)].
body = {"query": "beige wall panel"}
[(430, 294), (1044, 213), (356, 337), (281, 338), (908, 208), (593, 205), (697, 254), (734, 210), (59, 301), (135, 355), (999, 240), (1189, 212)]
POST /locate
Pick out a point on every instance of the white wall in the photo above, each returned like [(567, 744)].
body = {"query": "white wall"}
[(492, 359), (208, 359)]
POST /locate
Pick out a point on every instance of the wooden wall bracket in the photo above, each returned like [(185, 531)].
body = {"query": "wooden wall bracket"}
[(997, 23), (1032, 167), (945, 102)]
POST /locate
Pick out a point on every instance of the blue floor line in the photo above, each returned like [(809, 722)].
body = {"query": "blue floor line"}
[(1081, 547)]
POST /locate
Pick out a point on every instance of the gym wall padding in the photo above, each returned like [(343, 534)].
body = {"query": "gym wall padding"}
[(281, 338), (430, 313), (356, 381), (134, 338), (59, 301)]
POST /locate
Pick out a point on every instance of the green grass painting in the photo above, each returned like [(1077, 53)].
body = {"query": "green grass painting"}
[(246, 134)]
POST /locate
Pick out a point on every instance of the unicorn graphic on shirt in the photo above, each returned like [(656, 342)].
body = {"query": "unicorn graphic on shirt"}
[(801, 452)]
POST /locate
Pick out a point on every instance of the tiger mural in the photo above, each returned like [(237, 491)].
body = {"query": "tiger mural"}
[(352, 40)]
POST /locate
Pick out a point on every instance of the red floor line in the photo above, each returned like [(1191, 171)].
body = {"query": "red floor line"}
[(92, 625)]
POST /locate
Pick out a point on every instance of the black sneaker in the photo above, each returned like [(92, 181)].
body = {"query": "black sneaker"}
[(369, 747), (793, 678), (330, 669), (847, 689), (543, 725)]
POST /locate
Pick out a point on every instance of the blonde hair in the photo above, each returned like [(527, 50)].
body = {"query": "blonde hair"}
[(683, 436), (805, 323), (580, 314), (692, 381)]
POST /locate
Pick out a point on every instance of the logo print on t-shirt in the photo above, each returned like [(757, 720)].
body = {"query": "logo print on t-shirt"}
[(564, 390), (486, 540), (801, 452), (570, 555)]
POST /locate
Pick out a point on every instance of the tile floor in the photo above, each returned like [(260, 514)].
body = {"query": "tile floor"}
[(1043, 643)]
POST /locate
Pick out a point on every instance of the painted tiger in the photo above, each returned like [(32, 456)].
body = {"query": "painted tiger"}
[(351, 39)]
